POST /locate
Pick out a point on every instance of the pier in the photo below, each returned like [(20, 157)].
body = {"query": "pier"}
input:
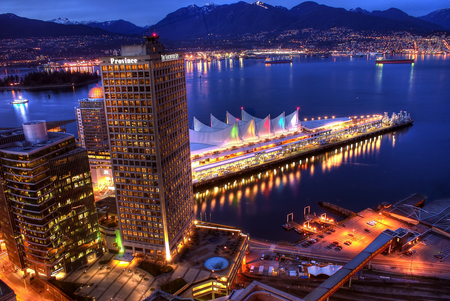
[(302, 150), (337, 210), (312, 224)]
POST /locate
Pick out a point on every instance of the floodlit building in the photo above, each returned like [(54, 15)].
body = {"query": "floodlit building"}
[(48, 214), (146, 107), (93, 135)]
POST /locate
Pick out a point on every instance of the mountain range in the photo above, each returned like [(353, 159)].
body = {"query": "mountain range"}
[(241, 18), (14, 27), (115, 26), (194, 22), (440, 17)]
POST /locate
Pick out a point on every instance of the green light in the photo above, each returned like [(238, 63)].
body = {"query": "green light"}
[(119, 240), (234, 132)]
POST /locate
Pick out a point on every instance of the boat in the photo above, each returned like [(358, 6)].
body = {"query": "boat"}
[(19, 101), (380, 60), (279, 59)]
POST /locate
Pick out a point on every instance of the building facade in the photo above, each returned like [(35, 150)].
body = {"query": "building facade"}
[(49, 201), (93, 135), (146, 107)]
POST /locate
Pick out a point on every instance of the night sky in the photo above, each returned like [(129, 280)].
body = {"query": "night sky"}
[(149, 12)]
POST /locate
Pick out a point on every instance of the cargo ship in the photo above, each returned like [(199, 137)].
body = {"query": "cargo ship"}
[(19, 101), (380, 60), (279, 59)]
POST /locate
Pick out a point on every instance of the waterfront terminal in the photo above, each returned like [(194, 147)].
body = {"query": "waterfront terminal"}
[(226, 149)]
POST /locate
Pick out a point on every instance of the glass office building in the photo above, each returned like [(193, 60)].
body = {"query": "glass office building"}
[(47, 191)]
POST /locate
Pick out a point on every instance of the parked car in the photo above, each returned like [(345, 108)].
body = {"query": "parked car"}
[(367, 230), (347, 243), (351, 235)]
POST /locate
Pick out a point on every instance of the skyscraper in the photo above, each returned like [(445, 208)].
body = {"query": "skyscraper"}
[(91, 121), (50, 217), (93, 135), (146, 107)]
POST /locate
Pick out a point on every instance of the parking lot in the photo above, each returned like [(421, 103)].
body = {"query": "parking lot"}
[(339, 243)]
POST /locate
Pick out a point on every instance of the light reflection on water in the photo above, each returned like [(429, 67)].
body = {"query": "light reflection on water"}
[(250, 196), (21, 111)]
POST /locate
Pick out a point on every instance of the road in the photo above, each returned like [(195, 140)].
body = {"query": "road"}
[(16, 282)]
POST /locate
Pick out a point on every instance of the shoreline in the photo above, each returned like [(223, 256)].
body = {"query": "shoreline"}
[(48, 87)]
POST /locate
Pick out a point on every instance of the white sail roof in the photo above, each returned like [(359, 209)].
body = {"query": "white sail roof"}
[(277, 125), (231, 119), (201, 127), (247, 117), (236, 131), (247, 130), (292, 123), (218, 124), (220, 137), (263, 127)]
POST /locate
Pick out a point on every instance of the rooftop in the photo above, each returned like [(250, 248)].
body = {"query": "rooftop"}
[(212, 240), (258, 291), (6, 293), (321, 123), (25, 147), (412, 209), (107, 204)]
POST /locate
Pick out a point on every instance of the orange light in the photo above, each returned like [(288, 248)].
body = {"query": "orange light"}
[(95, 93)]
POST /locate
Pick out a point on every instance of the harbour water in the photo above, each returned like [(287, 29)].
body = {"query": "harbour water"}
[(410, 160)]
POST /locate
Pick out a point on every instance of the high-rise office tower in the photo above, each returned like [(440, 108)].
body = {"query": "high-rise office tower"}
[(93, 135), (91, 121), (146, 107), (50, 217)]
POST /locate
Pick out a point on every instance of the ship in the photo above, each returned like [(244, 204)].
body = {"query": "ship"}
[(279, 59), (380, 60), (19, 101)]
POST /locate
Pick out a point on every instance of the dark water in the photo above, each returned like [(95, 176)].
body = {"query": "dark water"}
[(411, 160)]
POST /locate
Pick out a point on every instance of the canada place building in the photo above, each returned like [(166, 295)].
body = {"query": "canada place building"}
[(146, 108)]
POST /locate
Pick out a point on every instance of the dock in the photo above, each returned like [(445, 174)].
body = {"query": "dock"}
[(345, 213), (303, 229)]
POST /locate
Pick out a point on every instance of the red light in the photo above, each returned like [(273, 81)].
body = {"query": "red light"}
[(242, 108), (298, 108), (154, 34)]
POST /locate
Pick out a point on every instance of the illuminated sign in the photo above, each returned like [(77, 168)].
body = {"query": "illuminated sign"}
[(106, 172), (169, 57), (123, 61)]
